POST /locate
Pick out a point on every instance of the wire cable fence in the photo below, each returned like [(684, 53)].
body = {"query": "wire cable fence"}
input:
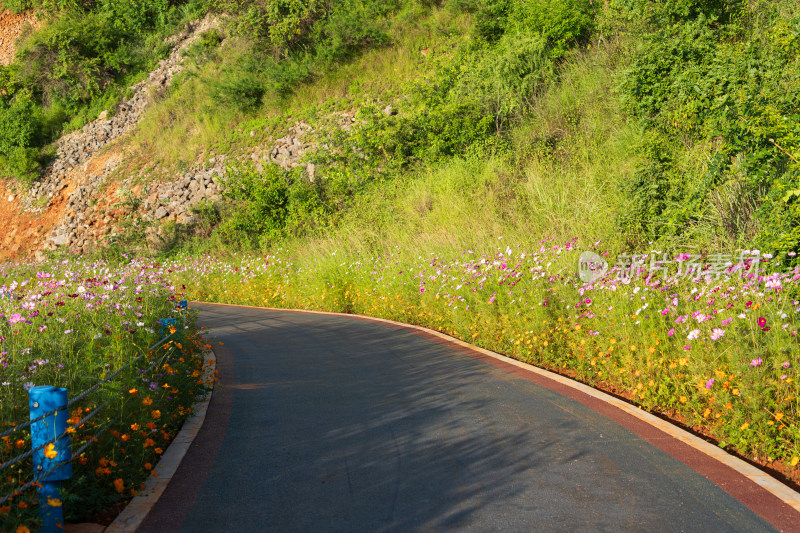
[(71, 429)]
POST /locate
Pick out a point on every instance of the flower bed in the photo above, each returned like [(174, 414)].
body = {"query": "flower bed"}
[(77, 324)]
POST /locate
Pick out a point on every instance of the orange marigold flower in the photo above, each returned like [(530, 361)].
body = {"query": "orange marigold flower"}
[(152, 425), (125, 437), (155, 413), (50, 451), (103, 461), (135, 427), (133, 391), (148, 466), (19, 444), (149, 442), (23, 529), (5, 509), (22, 505), (159, 451), (53, 502), (119, 485), (147, 401)]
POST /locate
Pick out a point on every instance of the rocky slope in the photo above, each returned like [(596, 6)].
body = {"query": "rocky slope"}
[(72, 204), (76, 205)]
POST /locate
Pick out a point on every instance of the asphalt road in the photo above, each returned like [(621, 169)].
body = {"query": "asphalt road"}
[(326, 423)]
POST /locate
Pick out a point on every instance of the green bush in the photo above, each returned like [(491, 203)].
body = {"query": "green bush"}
[(75, 66), (239, 90), (716, 80), (563, 24)]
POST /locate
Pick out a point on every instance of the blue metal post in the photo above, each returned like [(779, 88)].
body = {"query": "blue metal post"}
[(166, 323), (43, 399)]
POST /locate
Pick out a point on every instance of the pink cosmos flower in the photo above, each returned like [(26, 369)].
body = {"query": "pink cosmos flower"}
[(710, 383), (756, 362), (717, 334), (671, 332)]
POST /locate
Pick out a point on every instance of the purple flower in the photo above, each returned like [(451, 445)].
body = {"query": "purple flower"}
[(710, 383)]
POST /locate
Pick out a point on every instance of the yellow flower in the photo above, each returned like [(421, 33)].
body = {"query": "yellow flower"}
[(50, 451), (744, 426), (633, 348), (778, 416), (735, 392), (53, 502), (794, 461), (682, 399)]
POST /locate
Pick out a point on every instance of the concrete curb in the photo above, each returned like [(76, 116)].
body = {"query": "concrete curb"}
[(785, 494), (136, 511)]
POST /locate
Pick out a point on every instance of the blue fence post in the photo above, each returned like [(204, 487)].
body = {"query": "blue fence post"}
[(165, 325), (43, 399)]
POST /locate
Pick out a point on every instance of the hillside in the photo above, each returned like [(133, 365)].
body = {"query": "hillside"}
[(628, 123)]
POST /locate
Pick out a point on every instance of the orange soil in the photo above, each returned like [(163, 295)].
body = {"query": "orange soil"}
[(11, 26)]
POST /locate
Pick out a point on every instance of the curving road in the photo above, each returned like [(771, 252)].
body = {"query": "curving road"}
[(331, 423)]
